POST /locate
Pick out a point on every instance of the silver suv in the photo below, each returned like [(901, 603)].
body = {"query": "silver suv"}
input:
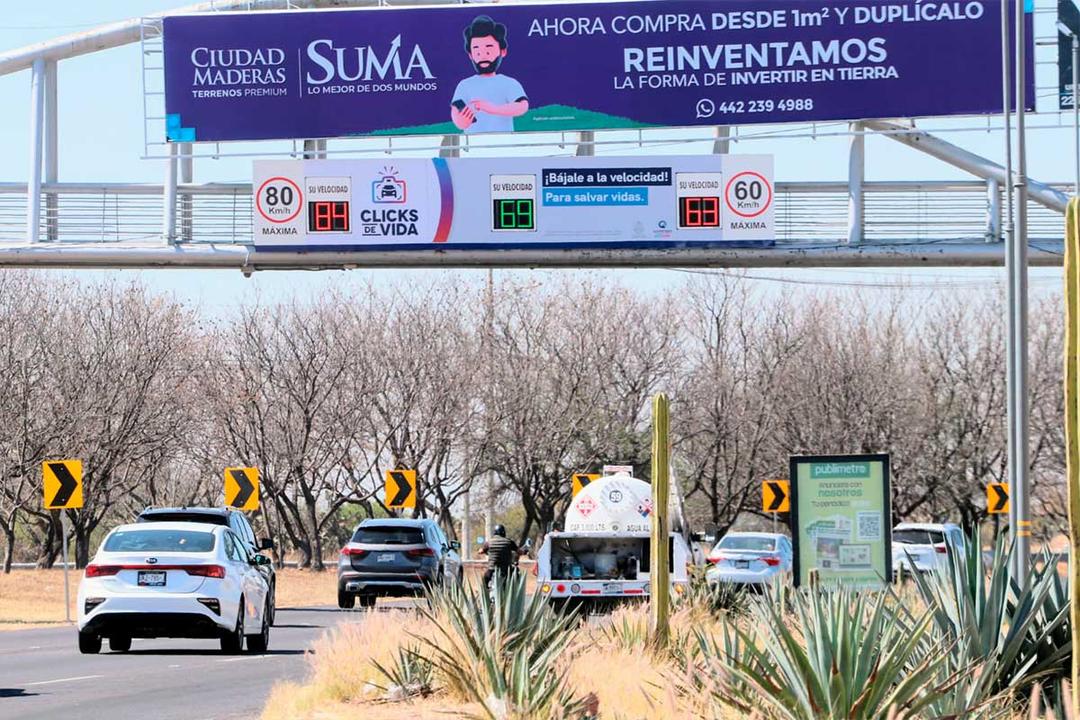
[(395, 558)]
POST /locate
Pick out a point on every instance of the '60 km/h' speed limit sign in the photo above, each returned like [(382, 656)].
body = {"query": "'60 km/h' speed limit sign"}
[(279, 200)]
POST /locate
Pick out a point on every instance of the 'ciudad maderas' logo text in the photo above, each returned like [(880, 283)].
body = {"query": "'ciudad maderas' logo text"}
[(331, 69), (238, 72)]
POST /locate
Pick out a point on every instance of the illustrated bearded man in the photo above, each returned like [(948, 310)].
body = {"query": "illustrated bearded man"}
[(487, 101)]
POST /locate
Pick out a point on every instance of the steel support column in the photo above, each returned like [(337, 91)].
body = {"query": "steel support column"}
[(585, 146), (186, 202), (993, 211), (37, 132), (722, 144), (52, 158), (168, 215), (856, 175), (450, 147), (1016, 260)]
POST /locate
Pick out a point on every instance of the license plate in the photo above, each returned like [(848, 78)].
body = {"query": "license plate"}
[(612, 589), (151, 579), (386, 557), (742, 564)]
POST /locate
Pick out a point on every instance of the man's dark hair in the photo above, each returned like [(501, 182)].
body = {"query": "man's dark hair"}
[(483, 26)]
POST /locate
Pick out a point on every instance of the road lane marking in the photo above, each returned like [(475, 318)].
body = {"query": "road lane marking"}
[(253, 657), (60, 680)]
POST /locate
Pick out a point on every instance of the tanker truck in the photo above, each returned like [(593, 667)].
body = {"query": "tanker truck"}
[(602, 551)]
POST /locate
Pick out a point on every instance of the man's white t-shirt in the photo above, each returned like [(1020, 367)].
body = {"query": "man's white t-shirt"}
[(496, 89)]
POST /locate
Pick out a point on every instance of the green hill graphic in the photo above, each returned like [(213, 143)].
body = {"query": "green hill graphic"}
[(549, 118)]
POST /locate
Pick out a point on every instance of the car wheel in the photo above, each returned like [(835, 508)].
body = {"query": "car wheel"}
[(345, 600), (119, 644), (89, 644), (259, 643), (367, 601), (233, 642), (271, 609)]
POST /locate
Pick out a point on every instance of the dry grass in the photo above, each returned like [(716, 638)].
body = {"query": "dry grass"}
[(343, 677), (34, 597), (630, 682)]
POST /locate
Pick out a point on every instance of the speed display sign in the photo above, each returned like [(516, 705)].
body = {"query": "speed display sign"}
[(565, 202)]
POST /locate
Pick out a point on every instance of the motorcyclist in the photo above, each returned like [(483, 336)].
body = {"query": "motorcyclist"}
[(502, 554)]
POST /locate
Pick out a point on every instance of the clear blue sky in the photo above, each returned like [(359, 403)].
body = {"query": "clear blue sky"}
[(101, 132)]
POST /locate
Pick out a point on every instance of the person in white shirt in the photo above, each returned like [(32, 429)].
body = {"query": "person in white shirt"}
[(487, 101)]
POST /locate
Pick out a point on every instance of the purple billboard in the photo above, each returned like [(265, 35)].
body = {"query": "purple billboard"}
[(577, 66)]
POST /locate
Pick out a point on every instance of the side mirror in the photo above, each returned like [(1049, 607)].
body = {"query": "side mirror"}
[(260, 560), (266, 544), (455, 545)]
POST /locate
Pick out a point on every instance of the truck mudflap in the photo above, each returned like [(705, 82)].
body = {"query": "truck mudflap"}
[(603, 588)]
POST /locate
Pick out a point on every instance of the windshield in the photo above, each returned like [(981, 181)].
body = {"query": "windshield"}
[(745, 542), (191, 541), (918, 537), (389, 535)]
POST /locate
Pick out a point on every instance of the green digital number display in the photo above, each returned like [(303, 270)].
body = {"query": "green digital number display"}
[(514, 214)]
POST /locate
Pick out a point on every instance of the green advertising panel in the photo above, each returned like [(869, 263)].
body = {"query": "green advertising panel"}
[(841, 521)]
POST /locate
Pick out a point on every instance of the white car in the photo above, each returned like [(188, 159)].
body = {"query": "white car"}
[(923, 546), (176, 580), (750, 558)]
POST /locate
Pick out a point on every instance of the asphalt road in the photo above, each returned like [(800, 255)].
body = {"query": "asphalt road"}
[(42, 674)]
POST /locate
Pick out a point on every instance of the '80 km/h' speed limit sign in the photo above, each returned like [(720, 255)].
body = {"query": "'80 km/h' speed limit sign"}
[(279, 200)]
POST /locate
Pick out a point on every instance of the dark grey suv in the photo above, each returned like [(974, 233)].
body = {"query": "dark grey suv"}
[(229, 518), (395, 558)]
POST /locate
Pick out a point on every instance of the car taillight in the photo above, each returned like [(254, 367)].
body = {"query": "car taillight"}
[(941, 549), (210, 571), (101, 570), (771, 560), (354, 552), (420, 552)]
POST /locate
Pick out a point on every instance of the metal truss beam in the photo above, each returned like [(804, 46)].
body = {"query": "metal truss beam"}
[(246, 258)]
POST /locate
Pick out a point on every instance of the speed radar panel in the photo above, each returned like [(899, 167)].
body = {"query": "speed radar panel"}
[(411, 204)]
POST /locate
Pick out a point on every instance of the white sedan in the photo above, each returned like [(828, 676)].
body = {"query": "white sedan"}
[(747, 558), (176, 580)]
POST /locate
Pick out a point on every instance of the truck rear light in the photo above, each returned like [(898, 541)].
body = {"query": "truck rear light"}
[(771, 561), (420, 552), (545, 588), (536, 570), (210, 571), (560, 587), (354, 552), (102, 570)]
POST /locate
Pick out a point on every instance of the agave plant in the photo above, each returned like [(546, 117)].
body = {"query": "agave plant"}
[(409, 674), (1014, 633), (714, 598), (841, 654), (502, 654)]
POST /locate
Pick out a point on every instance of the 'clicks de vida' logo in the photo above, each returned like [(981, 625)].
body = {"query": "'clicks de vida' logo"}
[(391, 222)]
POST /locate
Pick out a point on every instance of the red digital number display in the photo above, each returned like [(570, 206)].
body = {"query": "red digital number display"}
[(699, 212), (328, 216)]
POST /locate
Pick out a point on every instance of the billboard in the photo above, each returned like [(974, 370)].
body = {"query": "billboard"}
[(841, 519), (506, 203), (576, 66)]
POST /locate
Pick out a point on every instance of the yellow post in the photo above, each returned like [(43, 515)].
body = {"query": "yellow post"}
[(659, 572), (1072, 433)]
